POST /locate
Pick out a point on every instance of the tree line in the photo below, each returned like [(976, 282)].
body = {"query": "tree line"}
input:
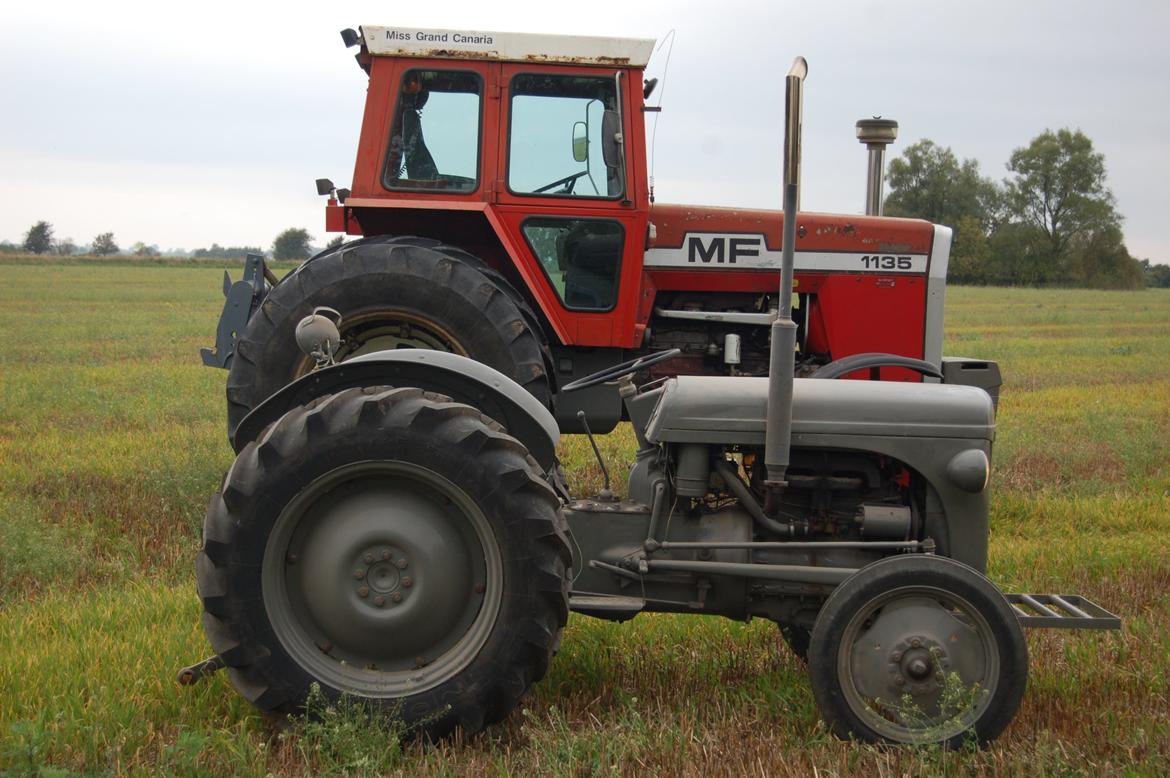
[(1052, 222), (293, 244)]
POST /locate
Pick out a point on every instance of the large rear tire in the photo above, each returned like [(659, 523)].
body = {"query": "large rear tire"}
[(391, 545), (392, 292)]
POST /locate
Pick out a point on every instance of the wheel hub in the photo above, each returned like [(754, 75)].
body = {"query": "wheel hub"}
[(918, 664), (380, 570)]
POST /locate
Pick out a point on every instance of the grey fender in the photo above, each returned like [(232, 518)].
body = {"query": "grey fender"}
[(463, 380)]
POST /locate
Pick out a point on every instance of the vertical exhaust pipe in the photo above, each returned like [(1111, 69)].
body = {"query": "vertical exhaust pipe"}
[(876, 134), (782, 358)]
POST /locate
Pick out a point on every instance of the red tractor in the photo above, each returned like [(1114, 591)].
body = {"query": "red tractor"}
[(502, 201)]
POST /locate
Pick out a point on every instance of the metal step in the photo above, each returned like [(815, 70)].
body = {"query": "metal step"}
[(605, 606), (1061, 611)]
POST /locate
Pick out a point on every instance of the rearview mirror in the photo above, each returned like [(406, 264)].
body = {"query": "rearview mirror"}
[(580, 142)]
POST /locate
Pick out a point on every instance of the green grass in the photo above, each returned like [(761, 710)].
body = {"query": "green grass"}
[(112, 439)]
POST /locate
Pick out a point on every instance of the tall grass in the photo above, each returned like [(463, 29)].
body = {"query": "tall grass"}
[(112, 439)]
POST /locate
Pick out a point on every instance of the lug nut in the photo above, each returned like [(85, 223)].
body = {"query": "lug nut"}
[(368, 558), (379, 601), (407, 582), (364, 591), (896, 656), (400, 564), (359, 574), (916, 643), (385, 553), (899, 681), (397, 597)]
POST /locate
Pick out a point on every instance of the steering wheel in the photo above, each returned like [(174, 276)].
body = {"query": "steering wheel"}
[(568, 182), (617, 371)]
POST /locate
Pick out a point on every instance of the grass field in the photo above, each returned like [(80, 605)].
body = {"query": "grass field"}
[(112, 439)]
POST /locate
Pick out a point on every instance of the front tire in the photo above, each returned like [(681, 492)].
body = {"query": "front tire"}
[(391, 545), (918, 650)]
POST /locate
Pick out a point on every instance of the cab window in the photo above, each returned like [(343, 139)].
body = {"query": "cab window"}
[(434, 135), (581, 257), (565, 137)]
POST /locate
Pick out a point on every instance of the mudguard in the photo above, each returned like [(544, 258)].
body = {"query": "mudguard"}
[(463, 380)]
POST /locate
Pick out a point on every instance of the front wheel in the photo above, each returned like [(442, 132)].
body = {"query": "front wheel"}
[(391, 545), (918, 649)]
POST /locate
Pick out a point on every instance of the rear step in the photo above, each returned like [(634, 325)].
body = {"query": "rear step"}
[(606, 607), (1061, 611)]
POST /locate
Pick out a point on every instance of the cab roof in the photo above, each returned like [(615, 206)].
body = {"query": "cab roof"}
[(506, 46)]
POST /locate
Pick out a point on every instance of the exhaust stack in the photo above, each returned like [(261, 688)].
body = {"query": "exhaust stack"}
[(876, 134), (782, 357)]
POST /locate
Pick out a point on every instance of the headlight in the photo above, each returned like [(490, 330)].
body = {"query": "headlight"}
[(969, 470)]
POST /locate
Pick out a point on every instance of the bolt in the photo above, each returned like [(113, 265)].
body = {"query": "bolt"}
[(899, 681), (400, 564), (408, 582), (364, 591), (896, 656), (291, 558), (397, 597), (379, 601), (368, 558), (385, 553), (916, 643), (359, 574)]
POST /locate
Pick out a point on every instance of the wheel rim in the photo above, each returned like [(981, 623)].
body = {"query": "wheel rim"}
[(382, 579), (387, 330), (918, 664)]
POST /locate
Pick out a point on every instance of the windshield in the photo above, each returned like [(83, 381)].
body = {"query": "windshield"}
[(559, 131)]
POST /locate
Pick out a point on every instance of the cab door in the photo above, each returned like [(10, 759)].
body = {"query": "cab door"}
[(567, 196)]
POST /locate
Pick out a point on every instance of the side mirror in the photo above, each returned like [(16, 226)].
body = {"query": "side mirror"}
[(611, 139), (580, 142)]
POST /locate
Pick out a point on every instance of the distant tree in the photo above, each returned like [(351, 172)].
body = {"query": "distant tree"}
[(8, 247), (216, 251), (293, 243), (1058, 188), (336, 242), (970, 253), (929, 182), (104, 245), (65, 247), (1156, 275), (140, 249), (1103, 262), (39, 238)]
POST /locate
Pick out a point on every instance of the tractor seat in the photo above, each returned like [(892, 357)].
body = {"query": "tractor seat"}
[(591, 261), (725, 409)]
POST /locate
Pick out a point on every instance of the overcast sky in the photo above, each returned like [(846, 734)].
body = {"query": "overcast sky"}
[(183, 124)]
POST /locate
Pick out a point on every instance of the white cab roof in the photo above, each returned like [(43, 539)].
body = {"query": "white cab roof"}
[(509, 46)]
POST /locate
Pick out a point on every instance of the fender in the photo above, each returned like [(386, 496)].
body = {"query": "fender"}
[(463, 380)]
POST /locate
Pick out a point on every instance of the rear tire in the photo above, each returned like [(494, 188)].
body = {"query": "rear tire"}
[(392, 292), (390, 545)]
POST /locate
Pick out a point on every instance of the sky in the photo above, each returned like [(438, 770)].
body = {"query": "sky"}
[(180, 125)]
